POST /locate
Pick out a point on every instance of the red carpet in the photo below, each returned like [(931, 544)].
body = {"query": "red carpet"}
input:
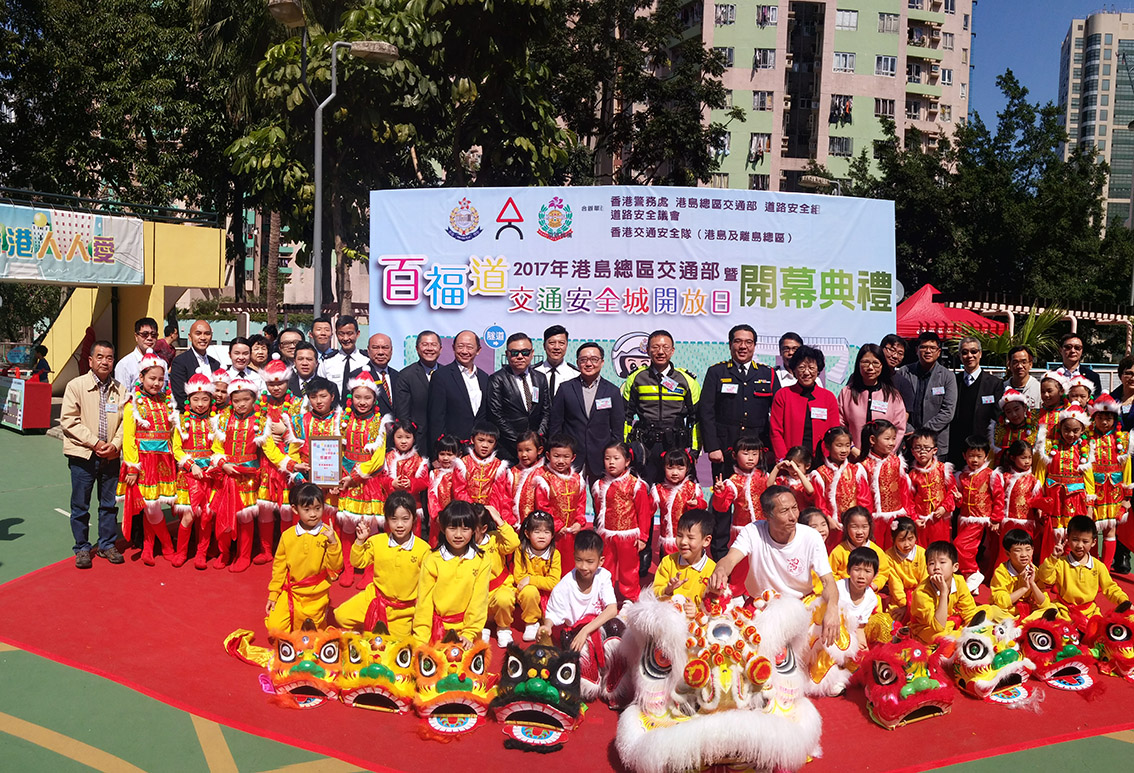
[(160, 631)]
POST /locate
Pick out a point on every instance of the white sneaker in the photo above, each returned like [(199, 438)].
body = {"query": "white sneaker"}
[(504, 637), (531, 631), (973, 581), (486, 635)]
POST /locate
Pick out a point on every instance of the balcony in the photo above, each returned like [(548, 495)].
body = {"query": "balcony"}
[(923, 52), (928, 17), (925, 89)]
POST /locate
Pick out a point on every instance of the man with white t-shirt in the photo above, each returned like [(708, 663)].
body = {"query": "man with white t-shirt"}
[(781, 557)]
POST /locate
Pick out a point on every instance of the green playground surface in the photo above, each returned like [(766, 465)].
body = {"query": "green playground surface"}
[(57, 718)]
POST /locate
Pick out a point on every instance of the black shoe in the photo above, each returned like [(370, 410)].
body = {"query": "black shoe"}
[(1120, 567), (83, 559), (112, 555)]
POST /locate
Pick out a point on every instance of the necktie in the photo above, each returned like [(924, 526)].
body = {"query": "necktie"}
[(527, 392), (103, 394), (386, 388), (551, 382)]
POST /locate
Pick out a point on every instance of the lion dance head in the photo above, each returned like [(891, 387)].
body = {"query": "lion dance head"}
[(1112, 639), (988, 663), (454, 687), (305, 665), (377, 672), (538, 700)]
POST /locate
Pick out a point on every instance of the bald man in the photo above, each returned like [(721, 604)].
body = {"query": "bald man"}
[(186, 364), (458, 391), (379, 349)]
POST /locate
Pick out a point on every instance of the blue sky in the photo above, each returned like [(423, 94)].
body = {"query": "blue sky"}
[(1024, 36)]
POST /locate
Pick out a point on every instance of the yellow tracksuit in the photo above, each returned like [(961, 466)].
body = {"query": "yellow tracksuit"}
[(1077, 584), (694, 577), (923, 611), (905, 574), (304, 567), (841, 553), (497, 547), (453, 589), (543, 573), (1004, 583), (397, 569)]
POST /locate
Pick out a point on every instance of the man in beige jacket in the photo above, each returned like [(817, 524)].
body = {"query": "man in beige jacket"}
[(91, 420)]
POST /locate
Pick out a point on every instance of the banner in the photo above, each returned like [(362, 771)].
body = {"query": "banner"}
[(612, 264), (66, 247)]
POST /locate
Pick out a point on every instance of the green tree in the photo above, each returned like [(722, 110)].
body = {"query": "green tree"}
[(26, 308)]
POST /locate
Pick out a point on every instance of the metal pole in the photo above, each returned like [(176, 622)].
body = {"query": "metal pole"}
[(1129, 127), (317, 248)]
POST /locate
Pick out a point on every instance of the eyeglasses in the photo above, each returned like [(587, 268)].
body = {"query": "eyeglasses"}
[(147, 334), (519, 352), (929, 348), (590, 360), (1073, 347)]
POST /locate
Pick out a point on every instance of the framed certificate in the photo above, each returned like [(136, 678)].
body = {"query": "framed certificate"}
[(326, 461)]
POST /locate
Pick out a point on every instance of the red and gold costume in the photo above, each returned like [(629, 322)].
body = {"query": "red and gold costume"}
[(440, 495), (400, 464), (193, 450), (565, 498), (741, 494), (980, 500), (890, 489), (671, 502), (364, 457), (1110, 466), (1066, 475), (1001, 434), (310, 425), (147, 451), (236, 442), (930, 488), (523, 493), (840, 487), (1020, 492), (623, 512), (483, 481), (278, 425)]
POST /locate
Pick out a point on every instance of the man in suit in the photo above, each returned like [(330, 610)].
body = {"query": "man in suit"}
[(557, 371), (379, 349), (306, 366), (736, 397), (935, 392), (338, 367), (411, 389), (457, 392), (288, 340), (1071, 350), (186, 364), (978, 393), (518, 397), (589, 409)]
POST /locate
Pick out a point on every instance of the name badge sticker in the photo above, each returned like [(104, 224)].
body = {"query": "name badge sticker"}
[(669, 383), (878, 406), (730, 389), (602, 404), (819, 414), (938, 390), (987, 399), (535, 394), (111, 406)]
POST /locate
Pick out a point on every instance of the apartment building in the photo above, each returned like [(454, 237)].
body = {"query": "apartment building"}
[(1096, 96), (815, 77)]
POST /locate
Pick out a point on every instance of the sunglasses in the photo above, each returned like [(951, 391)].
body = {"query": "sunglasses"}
[(519, 352)]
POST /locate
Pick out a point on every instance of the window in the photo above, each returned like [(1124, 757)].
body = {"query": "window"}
[(884, 107), (841, 146), (846, 20), (728, 98), (1106, 54), (913, 109), (913, 72), (886, 65), (964, 91), (950, 6), (759, 182), (965, 22), (946, 77), (888, 22), (762, 100), (916, 5), (1108, 39), (727, 54), (767, 15), (724, 15), (842, 107), (947, 41), (691, 14), (764, 59), (723, 148), (718, 180), (758, 145), (1106, 69), (946, 113), (1103, 114), (1079, 41), (964, 56), (844, 62)]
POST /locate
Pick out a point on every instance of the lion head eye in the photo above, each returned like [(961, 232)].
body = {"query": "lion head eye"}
[(884, 674), (785, 661), (426, 666), (329, 652), (565, 674), (1041, 641), (514, 667), (285, 652)]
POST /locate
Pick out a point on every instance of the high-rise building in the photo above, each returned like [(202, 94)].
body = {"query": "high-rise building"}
[(814, 78), (1096, 96)]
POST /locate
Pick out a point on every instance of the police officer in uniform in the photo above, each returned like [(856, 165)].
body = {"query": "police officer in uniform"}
[(736, 398), (663, 400)]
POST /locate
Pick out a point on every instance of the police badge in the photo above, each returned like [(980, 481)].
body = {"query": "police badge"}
[(464, 221)]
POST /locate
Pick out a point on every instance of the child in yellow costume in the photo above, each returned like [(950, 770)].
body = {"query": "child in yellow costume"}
[(940, 607), (686, 572), (397, 556), (453, 592), (306, 562), (858, 532), (907, 566), (499, 541), (1075, 577), (538, 569)]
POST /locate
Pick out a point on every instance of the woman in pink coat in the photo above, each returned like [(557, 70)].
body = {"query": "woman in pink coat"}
[(871, 395)]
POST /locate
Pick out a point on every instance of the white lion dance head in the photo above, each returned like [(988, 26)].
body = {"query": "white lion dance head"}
[(725, 687)]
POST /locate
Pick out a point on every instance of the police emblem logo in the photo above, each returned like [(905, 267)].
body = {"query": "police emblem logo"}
[(555, 220), (464, 221)]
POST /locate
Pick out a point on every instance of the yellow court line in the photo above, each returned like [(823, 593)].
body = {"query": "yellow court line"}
[(65, 746), (8, 648), (1124, 735), (217, 754), (325, 765)]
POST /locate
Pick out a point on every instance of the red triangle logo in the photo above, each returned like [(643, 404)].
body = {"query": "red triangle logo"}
[(505, 217)]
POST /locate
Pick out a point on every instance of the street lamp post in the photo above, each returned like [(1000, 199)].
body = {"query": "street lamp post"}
[(290, 14)]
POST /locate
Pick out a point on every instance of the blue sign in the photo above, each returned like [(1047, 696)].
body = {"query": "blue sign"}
[(495, 336)]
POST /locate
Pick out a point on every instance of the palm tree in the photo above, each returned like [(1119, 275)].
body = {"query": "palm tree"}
[(1036, 332)]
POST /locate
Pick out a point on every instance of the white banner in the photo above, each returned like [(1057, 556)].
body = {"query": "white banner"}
[(612, 264)]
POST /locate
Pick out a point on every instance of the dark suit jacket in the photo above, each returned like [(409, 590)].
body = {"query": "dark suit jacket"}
[(976, 408), (183, 367), (383, 405), (592, 433), (506, 409), (411, 401), (293, 383), (450, 412)]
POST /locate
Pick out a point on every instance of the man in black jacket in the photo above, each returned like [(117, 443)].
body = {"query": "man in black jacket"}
[(978, 393), (186, 364), (1071, 351), (379, 349), (411, 390), (518, 397), (591, 410), (458, 392)]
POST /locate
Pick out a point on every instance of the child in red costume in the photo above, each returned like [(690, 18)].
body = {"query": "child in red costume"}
[(1021, 489), (839, 483), (791, 472), (1066, 476), (886, 473), (1014, 423), (319, 418), (445, 452), (1053, 399), (1110, 467), (405, 469), (221, 378), (623, 512), (529, 457), (561, 492), (148, 476), (932, 489), (980, 500), (480, 477), (278, 406), (192, 450), (740, 494), (364, 455), (674, 495)]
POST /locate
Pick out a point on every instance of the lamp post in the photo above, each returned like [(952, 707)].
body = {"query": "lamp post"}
[(290, 14)]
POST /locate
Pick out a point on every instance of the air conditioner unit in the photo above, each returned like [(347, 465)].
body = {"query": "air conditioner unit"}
[(935, 69)]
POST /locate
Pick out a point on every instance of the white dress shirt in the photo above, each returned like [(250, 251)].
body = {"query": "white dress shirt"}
[(472, 384), (564, 372)]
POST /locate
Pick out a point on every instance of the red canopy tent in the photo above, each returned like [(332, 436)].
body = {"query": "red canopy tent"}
[(918, 313)]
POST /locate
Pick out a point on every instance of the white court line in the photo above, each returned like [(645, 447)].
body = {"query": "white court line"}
[(63, 512)]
